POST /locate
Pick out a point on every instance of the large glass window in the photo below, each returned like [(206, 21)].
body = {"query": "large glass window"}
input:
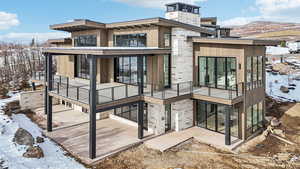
[(249, 69), (85, 40), (167, 38), (231, 72), (254, 118), (221, 73), (217, 72), (126, 70), (254, 70), (212, 117), (260, 67), (131, 40), (131, 113), (167, 71), (82, 67)]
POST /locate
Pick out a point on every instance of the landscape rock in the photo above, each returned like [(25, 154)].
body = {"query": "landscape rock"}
[(269, 118), (23, 137), (275, 122), (40, 139), (284, 89), (34, 152)]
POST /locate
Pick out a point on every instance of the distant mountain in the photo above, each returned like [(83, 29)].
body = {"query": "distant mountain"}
[(268, 30)]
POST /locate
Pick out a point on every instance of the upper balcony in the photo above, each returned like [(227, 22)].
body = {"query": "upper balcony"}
[(109, 93)]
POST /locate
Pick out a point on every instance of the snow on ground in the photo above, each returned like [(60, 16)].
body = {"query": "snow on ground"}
[(273, 89), (11, 153), (271, 50)]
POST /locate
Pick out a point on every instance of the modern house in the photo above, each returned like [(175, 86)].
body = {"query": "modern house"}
[(160, 74)]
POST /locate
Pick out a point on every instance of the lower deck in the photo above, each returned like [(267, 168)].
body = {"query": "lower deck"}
[(72, 133)]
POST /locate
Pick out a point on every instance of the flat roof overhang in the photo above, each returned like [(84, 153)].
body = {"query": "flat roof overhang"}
[(158, 22), (106, 51), (60, 41), (235, 41), (78, 25)]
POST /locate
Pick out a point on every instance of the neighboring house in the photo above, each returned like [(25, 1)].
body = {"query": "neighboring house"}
[(161, 74)]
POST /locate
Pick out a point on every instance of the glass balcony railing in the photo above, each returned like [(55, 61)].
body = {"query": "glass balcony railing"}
[(79, 89)]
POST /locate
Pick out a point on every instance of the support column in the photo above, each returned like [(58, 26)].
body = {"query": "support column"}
[(227, 126), (140, 67), (92, 104), (33, 86), (45, 84), (49, 88)]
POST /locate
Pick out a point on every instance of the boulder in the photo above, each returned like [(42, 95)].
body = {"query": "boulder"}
[(269, 118), (40, 139), (275, 122), (284, 89), (34, 152), (23, 137)]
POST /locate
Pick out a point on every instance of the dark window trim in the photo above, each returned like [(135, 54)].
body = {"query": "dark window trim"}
[(137, 38), (215, 85)]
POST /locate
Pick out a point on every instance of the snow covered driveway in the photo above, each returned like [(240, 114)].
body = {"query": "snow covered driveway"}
[(11, 153)]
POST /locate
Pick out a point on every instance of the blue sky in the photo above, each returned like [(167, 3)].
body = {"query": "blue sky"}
[(22, 20)]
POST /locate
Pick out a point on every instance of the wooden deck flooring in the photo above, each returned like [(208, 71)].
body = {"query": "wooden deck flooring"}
[(112, 136)]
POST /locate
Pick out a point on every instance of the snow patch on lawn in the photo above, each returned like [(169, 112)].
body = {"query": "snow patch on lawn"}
[(273, 89), (11, 153)]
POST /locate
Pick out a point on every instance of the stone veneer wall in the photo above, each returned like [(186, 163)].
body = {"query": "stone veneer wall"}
[(182, 55), (182, 111), (156, 118), (184, 17)]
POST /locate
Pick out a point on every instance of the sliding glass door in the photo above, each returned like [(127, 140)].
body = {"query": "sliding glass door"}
[(126, 70), (212, 117), (217, 72)]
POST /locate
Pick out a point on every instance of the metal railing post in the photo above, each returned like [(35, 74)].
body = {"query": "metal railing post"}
[(152, 88), (230, 94), (163, 94), (113, 93), (177, 89), (237, 90), (39, 75), (77, 91), (209, 92), (57, 87), (126, 90), (191, 86), (59, 79), (67, 90)]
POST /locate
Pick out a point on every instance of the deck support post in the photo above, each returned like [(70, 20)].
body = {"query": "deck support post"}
[(227, 126), (33, 86), (92, 104), (45, 85), (49, 88), (140, 63)]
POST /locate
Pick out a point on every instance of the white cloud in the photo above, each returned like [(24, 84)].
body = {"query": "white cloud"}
[(156, 3), (270, 10), (27, 37), (8, 20)]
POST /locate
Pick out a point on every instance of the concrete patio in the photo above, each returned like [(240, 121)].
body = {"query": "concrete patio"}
[(170, 140)]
